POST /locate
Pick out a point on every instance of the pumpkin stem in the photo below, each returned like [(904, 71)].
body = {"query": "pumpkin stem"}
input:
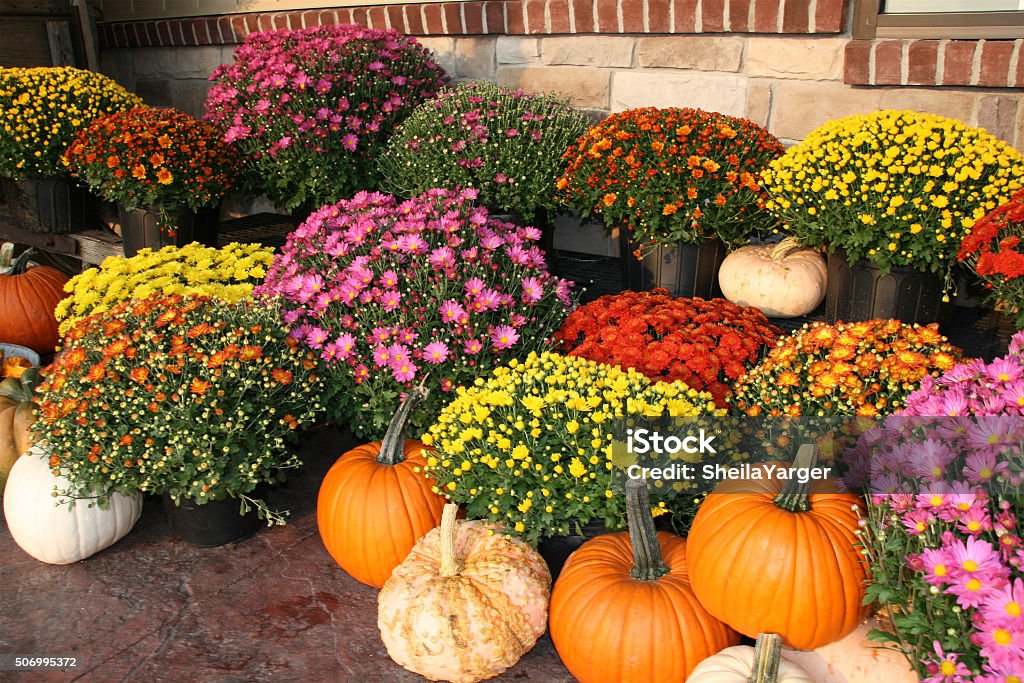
[(793, 497), (392, 448), (767, 657), (21, 263), (647, 562), (450, 562), (6, 253), (785, 248)]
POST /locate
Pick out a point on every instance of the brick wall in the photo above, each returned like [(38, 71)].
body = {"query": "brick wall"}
[(786, 64)]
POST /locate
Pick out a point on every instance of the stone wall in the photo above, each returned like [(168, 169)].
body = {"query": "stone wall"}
[(790, 81)]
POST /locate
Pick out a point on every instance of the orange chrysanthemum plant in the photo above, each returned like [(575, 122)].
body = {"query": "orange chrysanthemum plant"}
[(993, 249), (153, 156), (863, 368), (196, 398), (672, 175), (707, 344)]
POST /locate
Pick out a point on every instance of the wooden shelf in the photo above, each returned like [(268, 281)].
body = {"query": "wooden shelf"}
[(91, 247)]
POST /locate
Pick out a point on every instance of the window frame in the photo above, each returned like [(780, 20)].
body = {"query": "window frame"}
[(870, 22)]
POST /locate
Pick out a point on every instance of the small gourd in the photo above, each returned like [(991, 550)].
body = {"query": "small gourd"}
[(50, 529), (762, 663), (784, 280), (466, 604), (17, 415)]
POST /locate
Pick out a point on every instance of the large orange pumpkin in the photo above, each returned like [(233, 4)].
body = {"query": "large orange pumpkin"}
[(373, 505), (28, 296), (622, 610), (776, 556)]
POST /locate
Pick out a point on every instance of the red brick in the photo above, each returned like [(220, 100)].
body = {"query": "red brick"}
[(583, 14), (534, 16), (305, 19), (185, 31), (795, 16), (264, 22), (888, 62), (395, 17), (514, 16), (375, 17), (659, 20), (1019, 83), (414, 19), (830, 16), (157, 33), (558, 16), (432, 20), (712, 16), (252, 23), (766, 16), (105, 34), (113, 35), (857, 62), (922, 58), (474, 12), (607, 16), (281, 20), (739, 14), (202, 31), (995, 63), (225, 30), (453, 18), (494, 12), (959, 62), (632, 16)]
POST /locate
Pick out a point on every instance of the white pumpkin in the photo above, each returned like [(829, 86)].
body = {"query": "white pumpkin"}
[(784, 280), (47, 528), (742, 663)]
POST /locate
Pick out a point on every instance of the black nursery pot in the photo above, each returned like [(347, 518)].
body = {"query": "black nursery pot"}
[(859, 291), (557, 549), (687, 270), (212, 524)]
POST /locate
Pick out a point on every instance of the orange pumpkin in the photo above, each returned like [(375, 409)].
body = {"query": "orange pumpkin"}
[(777, 556), (28, 296), (373, 505), (622, 610)]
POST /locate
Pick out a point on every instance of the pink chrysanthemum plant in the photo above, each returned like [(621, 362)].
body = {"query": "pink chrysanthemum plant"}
[(310, 110), (943, 528), (429, 290)]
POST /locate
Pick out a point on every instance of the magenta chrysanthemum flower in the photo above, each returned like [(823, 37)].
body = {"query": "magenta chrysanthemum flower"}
[(435, 352), (504, 337)]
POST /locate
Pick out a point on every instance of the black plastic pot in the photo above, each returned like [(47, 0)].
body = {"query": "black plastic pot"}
[(557, 549), (212, 524), (859, 291), (140, 228), (53, 205), (689, 270)]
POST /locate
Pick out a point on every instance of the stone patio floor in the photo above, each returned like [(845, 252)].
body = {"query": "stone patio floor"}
[(273, 607)]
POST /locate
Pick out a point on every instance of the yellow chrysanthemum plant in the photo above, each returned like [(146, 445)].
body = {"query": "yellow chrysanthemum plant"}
[(226, 274), (533, 445), (41, 110), (898, 188)]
